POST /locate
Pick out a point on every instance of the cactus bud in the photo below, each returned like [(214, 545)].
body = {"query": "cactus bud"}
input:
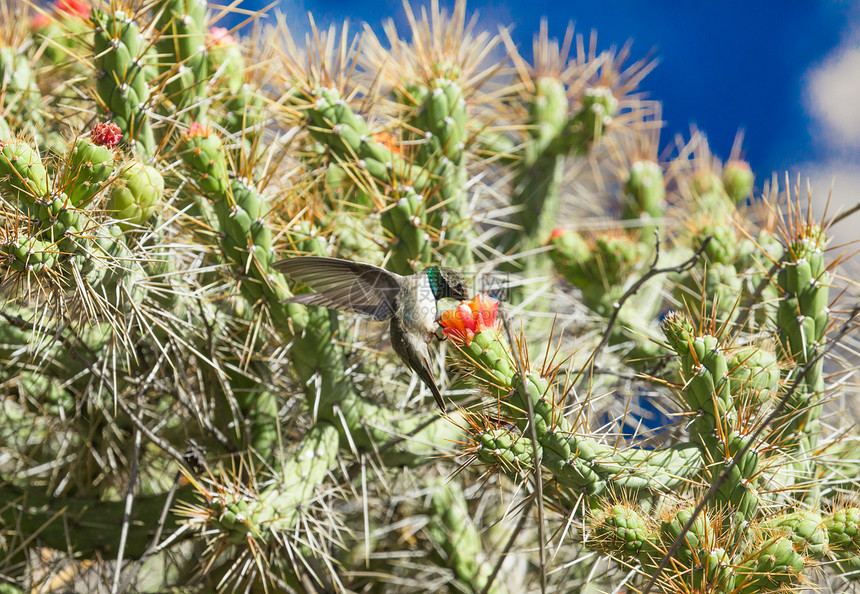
[(134, 200), (738, 180)]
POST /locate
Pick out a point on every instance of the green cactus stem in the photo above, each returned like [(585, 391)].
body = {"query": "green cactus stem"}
[(755, 372), (182, 47), (224, 59), (242, 105), (600, 266), (754, 262), (453, 530), (28, 254), (22, 99), (776, 563), (405, 220), (808, 532), (536, 185), (577, 461), (645, 192), (621, 530), (439, 117), (123, 75), (23, 177), (843, 531), (803, 318), (709, 392)]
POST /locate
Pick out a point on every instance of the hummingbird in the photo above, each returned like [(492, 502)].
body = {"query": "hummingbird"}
[(408, 301)]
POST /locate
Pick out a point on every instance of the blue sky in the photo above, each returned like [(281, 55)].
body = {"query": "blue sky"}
[(723, 66)]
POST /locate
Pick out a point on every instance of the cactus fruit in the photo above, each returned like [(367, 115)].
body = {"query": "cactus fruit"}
[(136, 195)]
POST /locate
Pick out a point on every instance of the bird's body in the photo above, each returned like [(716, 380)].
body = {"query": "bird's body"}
[(415, 305), (408, 301)]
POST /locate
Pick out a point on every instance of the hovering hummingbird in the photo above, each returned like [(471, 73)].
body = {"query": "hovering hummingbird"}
[(408, 301)]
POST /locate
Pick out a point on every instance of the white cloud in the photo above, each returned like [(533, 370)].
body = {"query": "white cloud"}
[(832, 98), (833, 95), (840, 182)]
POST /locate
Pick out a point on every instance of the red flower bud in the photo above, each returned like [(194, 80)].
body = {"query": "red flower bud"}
[(107, 134)]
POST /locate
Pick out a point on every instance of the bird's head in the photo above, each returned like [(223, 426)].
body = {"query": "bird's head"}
[(447, 283)]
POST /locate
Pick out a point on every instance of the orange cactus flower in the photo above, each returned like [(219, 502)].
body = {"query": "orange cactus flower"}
[(196, 130), (470, 318), (388, 140)]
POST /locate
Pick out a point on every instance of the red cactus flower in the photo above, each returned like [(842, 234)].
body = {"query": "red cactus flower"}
[(470, 318), (73, 8), (196, 130), (219, 36), (107, 134), (556, 233), (39, 21)]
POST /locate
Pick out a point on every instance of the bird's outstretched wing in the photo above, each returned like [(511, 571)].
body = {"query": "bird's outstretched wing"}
[(344, 285)]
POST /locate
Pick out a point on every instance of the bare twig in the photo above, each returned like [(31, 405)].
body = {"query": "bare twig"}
[(651, 273), (126, 516), (504, 553), (153, 546)]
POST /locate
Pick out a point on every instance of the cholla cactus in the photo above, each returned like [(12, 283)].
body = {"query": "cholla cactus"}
[(171, 419)]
